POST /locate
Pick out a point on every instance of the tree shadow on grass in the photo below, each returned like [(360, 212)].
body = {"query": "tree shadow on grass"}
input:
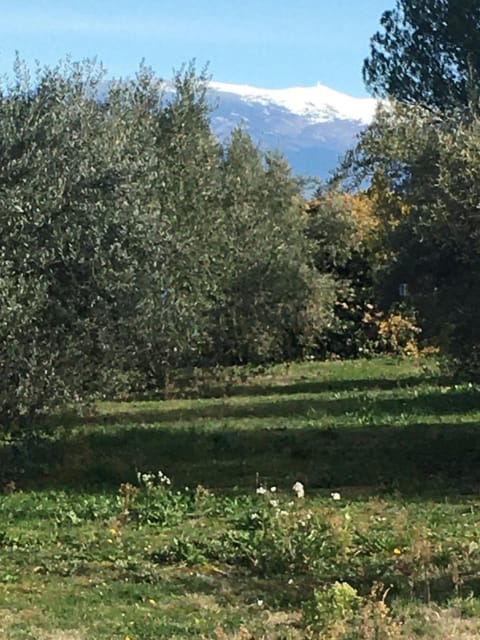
[(301, 386), (411, 440), (435, 403), (414, 459), (336, 386)]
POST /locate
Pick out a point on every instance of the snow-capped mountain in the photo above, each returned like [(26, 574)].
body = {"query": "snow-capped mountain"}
[(311, 126)]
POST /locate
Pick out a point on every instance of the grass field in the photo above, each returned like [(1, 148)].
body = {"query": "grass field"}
[(385, 544)]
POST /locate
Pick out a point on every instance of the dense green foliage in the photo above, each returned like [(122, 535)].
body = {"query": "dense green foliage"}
[(263, 309), (349, 245), (340, 227), (421, 158), (133, 243), (426, 174), (427, 53)]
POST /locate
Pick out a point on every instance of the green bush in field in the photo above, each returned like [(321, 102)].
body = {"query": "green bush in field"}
[(332, 610), (338, 612)]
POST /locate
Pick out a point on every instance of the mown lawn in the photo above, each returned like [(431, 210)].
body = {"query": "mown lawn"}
[(90, 550)]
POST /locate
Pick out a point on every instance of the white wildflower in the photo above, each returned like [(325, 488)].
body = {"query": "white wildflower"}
[(261, 491), (299, 490), (335, 495), (146, 479), (260, 602), (151, 480), (274, 503), (163, 479), (273, 489)]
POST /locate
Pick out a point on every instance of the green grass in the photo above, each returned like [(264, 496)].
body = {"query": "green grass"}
[(87, 553)]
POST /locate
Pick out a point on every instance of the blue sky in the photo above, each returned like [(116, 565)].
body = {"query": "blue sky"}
[(267, 43)]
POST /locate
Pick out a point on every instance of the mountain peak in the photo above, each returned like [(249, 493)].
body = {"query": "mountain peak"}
[(318, 103), (311, 126)]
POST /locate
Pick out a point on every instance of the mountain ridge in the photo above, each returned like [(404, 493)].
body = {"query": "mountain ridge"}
[(312, 126)]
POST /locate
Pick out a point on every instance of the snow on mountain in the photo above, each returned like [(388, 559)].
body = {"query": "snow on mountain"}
[(317, 104), (311, 126)]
